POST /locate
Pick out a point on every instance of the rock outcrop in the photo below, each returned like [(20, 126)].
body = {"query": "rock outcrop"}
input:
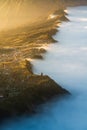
[(33, 91)]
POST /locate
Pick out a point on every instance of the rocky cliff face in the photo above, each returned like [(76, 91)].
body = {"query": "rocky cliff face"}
[(28, 94), (21, 90)]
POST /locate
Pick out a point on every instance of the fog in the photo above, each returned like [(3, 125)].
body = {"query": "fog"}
[(66, 63)]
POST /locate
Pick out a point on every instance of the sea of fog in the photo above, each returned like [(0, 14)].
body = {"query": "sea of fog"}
[(66, 63)]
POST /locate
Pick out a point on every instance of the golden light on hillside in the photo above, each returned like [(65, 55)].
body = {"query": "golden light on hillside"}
[(15, 13)]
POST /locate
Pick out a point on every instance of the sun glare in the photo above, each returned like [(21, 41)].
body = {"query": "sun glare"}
[(66, 11)]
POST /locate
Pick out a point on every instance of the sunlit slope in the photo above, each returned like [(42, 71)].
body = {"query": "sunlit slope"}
[(14, 13)]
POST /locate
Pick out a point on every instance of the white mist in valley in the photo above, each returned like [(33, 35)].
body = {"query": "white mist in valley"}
[(66, 63)]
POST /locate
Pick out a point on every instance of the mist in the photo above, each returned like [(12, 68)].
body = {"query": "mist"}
[(66, 63)]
